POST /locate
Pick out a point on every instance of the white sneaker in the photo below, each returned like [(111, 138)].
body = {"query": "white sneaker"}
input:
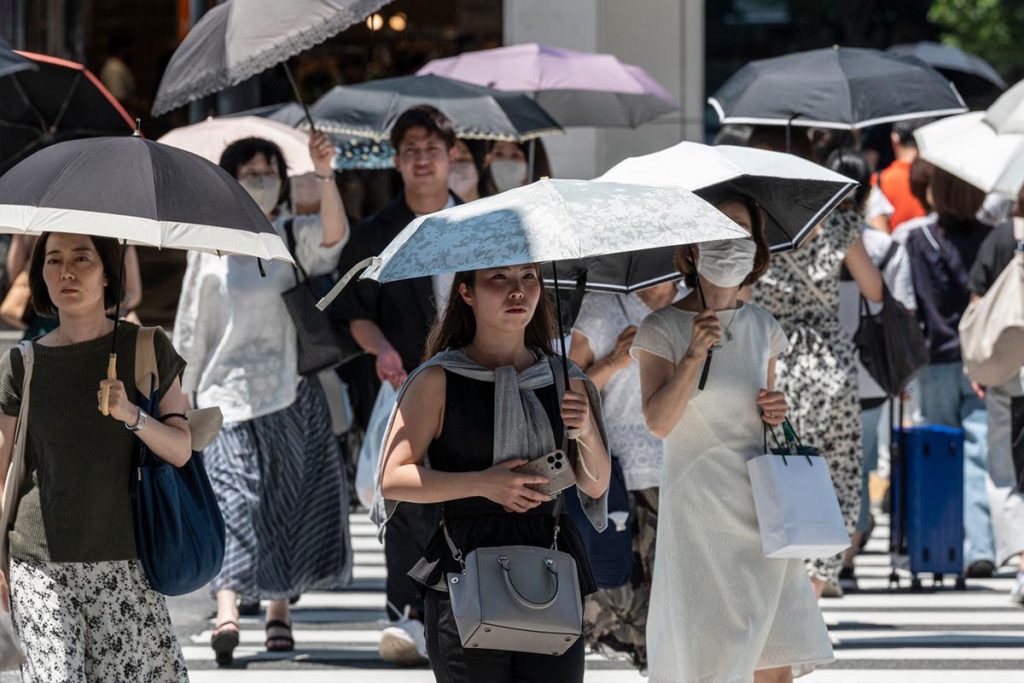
[(404, 642), (1017, 592)]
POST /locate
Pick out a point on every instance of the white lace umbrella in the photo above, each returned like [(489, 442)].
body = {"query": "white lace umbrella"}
[(241, 38), (986, 149)]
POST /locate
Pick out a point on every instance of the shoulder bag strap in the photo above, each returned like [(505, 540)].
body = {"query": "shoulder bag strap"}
[(147, 376), (289, 233), (811, 287), (889, 254), (16, 470)]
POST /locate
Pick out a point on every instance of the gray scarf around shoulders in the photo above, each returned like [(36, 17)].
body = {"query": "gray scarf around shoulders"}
[(521, 425)]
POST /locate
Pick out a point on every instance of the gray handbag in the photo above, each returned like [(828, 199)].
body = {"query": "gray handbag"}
[(516, 597)]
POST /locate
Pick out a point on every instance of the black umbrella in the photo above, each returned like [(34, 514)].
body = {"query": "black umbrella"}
[(137, 192), (840, 87), (478, 113), (972, 75), (59, 100), (11, 62)]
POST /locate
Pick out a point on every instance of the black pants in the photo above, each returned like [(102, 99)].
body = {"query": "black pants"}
[(405, 539), (452, 663)]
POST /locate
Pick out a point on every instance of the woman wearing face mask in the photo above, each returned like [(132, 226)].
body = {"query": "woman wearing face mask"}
[(719, 610), (464, 172), (819, 371), (275, 466), (507, 165)]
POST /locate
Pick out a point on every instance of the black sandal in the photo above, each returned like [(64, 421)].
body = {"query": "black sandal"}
[(224, 641), (282, 640)]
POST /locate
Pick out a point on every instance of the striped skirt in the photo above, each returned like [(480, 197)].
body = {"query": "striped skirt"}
[(282, 489)]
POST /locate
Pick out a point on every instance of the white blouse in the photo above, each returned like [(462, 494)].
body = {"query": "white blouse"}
[(233, 329)]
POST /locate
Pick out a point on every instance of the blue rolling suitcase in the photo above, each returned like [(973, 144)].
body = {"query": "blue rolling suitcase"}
[(927, 513)]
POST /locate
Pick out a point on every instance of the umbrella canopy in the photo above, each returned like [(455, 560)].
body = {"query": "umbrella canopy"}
[(209, 138), (11, 62), (795, 194), (986, 149), (58, 100), (288, 113), (241, 38), (576, 88), (840, 87), (370, 109), (549, 220), (138, 191), (970, 73)]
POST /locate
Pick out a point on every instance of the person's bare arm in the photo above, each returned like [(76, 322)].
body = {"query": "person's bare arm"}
[(602, 370), (18, 254), (332, 208), (132, 281), (418, 421), (172, 440), (578, 415), (665, 387), (372, 340), (864, 271)]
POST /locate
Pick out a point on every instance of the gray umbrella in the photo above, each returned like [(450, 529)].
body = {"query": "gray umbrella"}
[(478, 113), (241, 38)]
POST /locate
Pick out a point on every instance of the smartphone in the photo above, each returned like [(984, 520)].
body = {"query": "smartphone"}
[(556, 467)]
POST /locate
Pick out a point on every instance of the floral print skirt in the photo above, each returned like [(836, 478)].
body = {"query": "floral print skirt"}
[(92, 621)]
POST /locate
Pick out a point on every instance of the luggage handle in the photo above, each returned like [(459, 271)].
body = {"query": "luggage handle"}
[(506, 567)]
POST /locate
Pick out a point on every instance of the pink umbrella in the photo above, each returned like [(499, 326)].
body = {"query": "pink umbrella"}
[(576, 88)]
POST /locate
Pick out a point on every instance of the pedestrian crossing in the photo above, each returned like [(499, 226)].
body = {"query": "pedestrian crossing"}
[(880, 635)]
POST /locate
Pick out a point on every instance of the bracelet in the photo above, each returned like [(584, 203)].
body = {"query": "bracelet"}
[(140, 422), (324, 178)]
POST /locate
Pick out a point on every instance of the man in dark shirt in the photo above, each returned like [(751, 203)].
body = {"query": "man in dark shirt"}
[(1005, 407), (391, 322)]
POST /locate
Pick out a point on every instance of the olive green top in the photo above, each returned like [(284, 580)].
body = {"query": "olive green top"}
[(76, 499)]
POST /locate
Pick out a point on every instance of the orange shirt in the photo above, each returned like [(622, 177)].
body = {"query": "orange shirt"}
[(894, 182)]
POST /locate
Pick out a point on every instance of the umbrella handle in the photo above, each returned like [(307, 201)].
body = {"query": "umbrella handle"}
[(111, 375)]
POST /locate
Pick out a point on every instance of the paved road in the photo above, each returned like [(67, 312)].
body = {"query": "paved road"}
[(880, 636)]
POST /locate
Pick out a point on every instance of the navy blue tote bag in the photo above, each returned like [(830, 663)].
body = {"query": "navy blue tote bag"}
[(179, 530)]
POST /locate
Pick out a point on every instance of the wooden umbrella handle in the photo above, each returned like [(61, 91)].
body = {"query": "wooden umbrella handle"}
[(111, 375)]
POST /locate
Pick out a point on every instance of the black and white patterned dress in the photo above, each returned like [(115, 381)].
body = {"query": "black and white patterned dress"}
[(818, 372)]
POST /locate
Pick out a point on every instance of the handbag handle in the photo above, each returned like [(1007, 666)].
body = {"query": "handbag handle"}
[(506, 567)]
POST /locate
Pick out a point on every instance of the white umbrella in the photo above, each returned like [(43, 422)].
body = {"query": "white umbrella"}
[(795, 193), (209, 138), (985, 149)]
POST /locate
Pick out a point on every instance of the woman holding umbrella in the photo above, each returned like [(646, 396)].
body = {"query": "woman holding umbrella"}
[(494, 338), (719, 610), (82, 606), (275, 465)]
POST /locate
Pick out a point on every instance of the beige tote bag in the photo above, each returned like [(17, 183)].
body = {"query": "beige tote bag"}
[(992, 328)]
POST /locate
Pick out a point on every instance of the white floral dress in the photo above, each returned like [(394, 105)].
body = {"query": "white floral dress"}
[(818, 372)]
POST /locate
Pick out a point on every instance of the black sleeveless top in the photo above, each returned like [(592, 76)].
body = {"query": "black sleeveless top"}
[(466, 444)]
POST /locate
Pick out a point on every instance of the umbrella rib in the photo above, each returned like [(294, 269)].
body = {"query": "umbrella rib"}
[(67, 101), (20, 126), (28, 103)]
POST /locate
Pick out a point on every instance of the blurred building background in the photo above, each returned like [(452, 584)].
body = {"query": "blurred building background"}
[(689, 46)]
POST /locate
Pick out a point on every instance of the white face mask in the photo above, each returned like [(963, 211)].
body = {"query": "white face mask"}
[(726, 263), (462, 178), (508, 173), (264, 191)]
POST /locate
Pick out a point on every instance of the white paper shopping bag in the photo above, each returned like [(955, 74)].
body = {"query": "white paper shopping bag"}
[(797, 508)]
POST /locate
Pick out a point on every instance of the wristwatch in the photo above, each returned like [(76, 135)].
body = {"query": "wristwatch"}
[(139, 423)]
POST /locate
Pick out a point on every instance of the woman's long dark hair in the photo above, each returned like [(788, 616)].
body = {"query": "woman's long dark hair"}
[(457, 326)]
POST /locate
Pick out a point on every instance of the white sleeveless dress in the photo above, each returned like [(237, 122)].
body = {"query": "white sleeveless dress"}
[(719, 609)]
